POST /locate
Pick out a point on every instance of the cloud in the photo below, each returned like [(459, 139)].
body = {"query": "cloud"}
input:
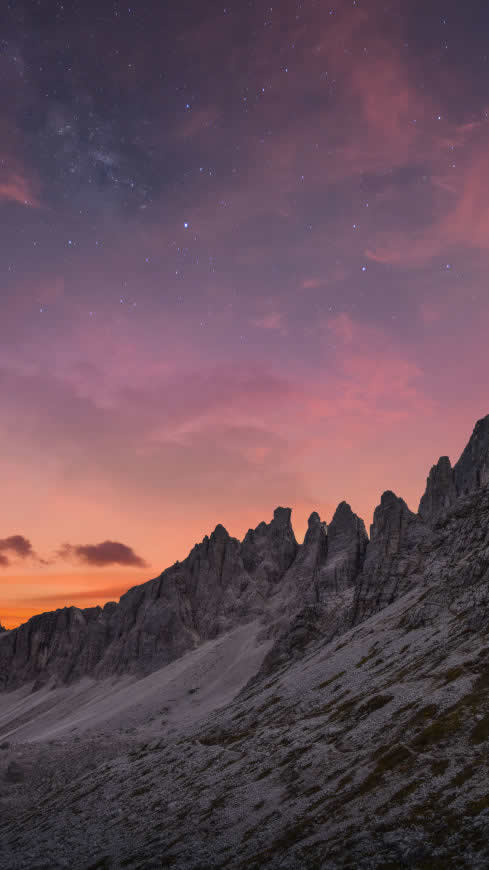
[(16, 189), (457, 208), (15, 186), (378, 381), (273, 320), (15, 546), (106, 553)]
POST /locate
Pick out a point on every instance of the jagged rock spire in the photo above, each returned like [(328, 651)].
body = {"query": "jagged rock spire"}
[(391, 519), (440, 491), (347, 546), (444, 483), (269, 550), (394, 531), (472, 469)]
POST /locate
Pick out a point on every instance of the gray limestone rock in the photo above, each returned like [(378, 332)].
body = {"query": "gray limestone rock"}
[(300, 584), (221, 583), (445, 546), (472, 469), (445, 484), (440, 491), (347, 547), (269, 550), (392, 561), (335, 578)]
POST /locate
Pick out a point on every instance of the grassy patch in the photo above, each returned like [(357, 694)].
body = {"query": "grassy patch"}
[(345, 780), (421, 715), (399, 757), (447, 725), (320, 711), (264, 773), (218, 802), (400, 796), (376, 702), (144, 789), (331, 680), (463, 775), (476, 806), (452, 674), (312, 790), (370, 655), (439, 766), (344, 710), (296, 831), (480, 731)]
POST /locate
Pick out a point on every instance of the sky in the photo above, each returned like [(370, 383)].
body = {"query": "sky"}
[(243, 263)]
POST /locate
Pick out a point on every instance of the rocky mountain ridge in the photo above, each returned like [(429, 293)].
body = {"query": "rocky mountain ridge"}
[(222, 583), (342, 721), (336, 578)]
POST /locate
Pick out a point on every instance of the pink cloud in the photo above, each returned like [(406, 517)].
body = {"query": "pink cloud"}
[(15, 188), (274, 321)]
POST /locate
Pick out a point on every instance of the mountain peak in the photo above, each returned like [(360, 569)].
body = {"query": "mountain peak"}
[(445, 484), (472, 469), (314, 519), (282, 516), (440, 490), (220, 532)]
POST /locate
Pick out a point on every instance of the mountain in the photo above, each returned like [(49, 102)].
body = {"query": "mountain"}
[(265, 703), (221, 584)]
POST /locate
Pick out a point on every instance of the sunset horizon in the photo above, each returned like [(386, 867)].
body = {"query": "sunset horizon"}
[(21, 596), (245, 264)]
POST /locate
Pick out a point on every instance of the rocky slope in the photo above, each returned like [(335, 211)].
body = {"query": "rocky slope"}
[(316, 705), (337, 577), (369, 752)]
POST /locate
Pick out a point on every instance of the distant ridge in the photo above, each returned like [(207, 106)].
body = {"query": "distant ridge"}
[(335, 579)]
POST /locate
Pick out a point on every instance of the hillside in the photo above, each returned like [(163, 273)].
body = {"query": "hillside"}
[(265, 703)]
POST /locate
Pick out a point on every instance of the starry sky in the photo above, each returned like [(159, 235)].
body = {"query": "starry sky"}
[(244, 257)]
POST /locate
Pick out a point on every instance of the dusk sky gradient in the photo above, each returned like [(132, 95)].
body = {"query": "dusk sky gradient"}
[(244, 263)]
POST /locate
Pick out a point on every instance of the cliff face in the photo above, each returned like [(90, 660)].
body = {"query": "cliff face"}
[(445, 484), (448, 538), (334, 579), (392, 560), (440, 491), (222, 583), (347, 547)]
